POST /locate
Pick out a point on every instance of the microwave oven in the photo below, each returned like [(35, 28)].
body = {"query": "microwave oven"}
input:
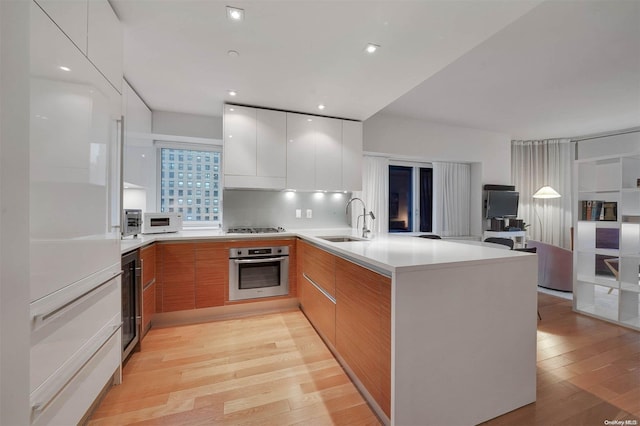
[(158, 223)]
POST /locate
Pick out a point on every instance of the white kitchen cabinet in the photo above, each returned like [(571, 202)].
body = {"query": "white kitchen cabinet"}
[(139, 158), (314, 153), (271, 144), (327, 135), (105, 41), (351, 155), (254, 147), (301, 153), (74, 244), (240, 141), (71, 17)]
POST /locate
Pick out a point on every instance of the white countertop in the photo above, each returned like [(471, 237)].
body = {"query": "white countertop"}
[(383, 253)]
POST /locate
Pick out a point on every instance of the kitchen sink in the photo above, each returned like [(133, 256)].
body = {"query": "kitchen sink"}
[(342, 239)]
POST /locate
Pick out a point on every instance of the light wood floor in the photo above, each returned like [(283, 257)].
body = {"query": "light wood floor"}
[(272, 369), (275, 370)]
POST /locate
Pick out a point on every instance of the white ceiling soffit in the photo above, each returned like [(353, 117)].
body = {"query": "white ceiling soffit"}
[(567, 68), (294, 55)]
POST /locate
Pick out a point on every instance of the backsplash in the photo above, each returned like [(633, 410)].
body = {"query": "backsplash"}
[(278, 208)]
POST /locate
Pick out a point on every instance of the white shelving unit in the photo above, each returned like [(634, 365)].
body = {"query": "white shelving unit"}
[(608, 290)]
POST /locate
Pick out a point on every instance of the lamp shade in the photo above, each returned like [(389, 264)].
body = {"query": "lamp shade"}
[(546, 192)]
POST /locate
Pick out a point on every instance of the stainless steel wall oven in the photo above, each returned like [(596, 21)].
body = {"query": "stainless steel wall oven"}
[(258, 272)]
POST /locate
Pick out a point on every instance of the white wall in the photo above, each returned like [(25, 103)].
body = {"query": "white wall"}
[(438, 142), (488, 152), (190, 125), (14, 212)]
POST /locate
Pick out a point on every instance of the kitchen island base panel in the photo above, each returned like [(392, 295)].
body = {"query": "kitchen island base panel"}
[(464, 341), (194, 316)]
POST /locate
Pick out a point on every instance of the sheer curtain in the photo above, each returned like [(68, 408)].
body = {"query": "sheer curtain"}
[(375, 193), (451, 199), (535, 164)]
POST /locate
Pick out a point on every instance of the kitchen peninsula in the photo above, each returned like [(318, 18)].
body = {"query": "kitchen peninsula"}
[(461, 320)]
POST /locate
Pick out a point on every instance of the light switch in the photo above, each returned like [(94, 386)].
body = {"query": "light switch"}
[(309, 214), (298, 213)]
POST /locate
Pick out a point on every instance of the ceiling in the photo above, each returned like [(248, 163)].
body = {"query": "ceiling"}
[(526, 68)]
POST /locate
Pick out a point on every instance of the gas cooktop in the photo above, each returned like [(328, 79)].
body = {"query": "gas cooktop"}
[(254, 230)]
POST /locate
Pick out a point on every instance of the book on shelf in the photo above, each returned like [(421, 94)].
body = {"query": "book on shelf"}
[(596, 210)]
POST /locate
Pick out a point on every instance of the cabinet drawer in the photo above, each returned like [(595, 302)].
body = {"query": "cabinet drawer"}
[(320, 267), (71, 404), (63, 333), (320, 310)]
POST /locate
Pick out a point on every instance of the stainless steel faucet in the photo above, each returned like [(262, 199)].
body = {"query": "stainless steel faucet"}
[(365, 231)]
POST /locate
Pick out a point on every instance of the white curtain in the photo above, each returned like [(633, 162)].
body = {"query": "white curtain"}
[(451, 199), (535, 164), (375, 193)]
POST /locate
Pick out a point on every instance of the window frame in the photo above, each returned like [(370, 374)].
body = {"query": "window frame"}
[(415, 192), (159, 146)]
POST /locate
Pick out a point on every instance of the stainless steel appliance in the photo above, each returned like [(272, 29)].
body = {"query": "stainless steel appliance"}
[(258, 272), (159, 223), (131, 319), (131, 222)]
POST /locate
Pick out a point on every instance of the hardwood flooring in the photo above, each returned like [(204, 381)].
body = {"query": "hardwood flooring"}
[(588, 371), (275, 370), (271, 369)]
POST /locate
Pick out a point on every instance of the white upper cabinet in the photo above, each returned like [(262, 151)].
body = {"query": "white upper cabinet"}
[(351, 155), (71, 17), (240, 140), (323, 153), (270, 149), (327, 136), (105, 41), (271, 143), (254, 148), (301, 152), (139, 152)]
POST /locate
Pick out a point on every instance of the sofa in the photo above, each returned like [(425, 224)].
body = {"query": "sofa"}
[(555, 266)]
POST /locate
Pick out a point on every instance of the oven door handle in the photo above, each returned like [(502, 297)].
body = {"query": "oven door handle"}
[(271, 259)]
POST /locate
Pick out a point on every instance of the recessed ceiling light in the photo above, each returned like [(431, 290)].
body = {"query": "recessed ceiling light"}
[(308, 119), (321, 107), (235, 13), (63, 68), (232, 93), (371, 48)]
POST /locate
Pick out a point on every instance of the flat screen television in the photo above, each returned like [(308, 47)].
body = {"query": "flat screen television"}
[(502, 204)]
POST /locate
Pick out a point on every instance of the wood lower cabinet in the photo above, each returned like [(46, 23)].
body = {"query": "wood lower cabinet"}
[(148, 260), (320, 267), (196, 275), (320, 309), (355, 319), (363, 327), (212, 274), (176, 268)]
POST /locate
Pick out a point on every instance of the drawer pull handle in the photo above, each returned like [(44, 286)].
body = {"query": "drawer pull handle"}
[(320, 289)]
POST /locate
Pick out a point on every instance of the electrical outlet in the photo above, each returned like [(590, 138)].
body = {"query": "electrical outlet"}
[(298, 213), (309, 214)]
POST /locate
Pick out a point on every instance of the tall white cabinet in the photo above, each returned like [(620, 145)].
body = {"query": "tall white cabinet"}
[(75, 287), (607, 252)]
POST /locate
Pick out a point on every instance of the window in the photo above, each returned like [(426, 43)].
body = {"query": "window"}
[(410, 198), (192, 208)]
